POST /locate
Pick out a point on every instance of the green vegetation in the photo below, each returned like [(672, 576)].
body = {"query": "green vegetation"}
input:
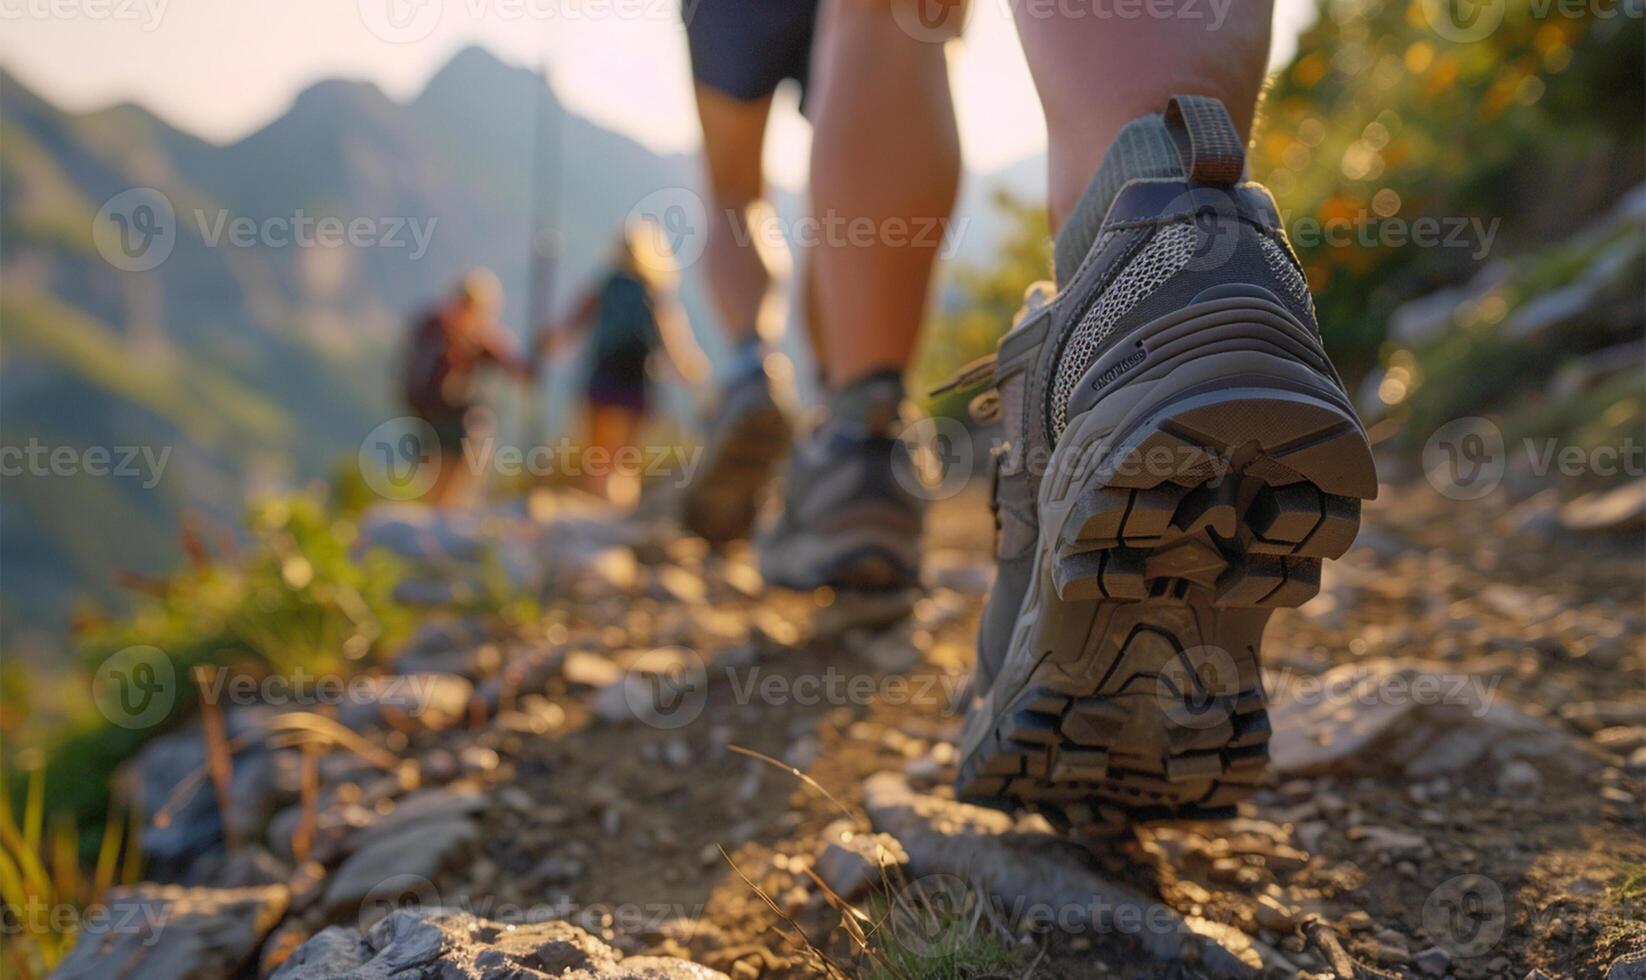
[(41, 878), (930, 934), (1380, 120), (1404, 163), (988, 299), (296, 598)]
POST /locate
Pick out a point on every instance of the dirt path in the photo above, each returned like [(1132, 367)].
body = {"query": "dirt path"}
[(1456, 787), (1492, 864)]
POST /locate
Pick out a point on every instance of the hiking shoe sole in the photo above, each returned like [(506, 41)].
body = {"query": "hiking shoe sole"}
[(1174, 523), (724, 499)]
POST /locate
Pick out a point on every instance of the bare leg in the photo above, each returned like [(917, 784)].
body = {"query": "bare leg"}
[(733, 132), (450, 487), (1096, 74), (611, 428), (885, 165)]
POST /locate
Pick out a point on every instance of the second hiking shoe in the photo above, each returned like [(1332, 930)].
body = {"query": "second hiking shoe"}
[(748, 439), (1181, 458)]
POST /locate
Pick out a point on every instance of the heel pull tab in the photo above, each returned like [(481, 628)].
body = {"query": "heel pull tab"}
[(1206, 140)]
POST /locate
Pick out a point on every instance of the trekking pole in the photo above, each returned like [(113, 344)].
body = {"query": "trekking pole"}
[(542, 244)]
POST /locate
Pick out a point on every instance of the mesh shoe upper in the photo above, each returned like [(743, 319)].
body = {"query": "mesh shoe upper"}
[(1162, 244)]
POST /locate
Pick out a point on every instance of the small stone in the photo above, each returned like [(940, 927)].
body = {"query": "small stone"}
[(1621, 739), (1394, 843), (1614, 794), (852, 862), (1433, 962), (1272, 914), (1389, 937), (584, 669), (677, 753), (558, 870), (663, 688), (1593, 716), (1519, 778), (1310, 834), (1357, 921), (923, 769), (803, 752)]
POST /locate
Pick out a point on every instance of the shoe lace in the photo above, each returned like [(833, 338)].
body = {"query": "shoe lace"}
[(985, 408)]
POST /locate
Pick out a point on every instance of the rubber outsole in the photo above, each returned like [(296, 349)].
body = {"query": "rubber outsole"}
[(724, 500), (1145, 700)]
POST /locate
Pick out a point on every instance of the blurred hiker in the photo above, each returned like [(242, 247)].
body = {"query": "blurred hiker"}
[(885, 157), (449, 346), (629, 315), (1179, 454)]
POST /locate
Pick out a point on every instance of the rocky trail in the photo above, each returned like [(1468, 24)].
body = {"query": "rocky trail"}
[(675, 773)]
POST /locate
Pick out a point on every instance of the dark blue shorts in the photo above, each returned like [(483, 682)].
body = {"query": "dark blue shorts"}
[(744, 48)]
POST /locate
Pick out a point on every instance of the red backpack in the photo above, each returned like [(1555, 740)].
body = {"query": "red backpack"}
[(427, 366)]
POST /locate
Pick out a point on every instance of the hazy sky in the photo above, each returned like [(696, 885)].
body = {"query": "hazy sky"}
[(222, 68)]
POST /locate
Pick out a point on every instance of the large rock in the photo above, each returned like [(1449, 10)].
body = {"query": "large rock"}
[(444, 647), (1430, 717), (1018, 869), (445, 944), (421, 534), (853, 862), (394, 865), (167, 777), (168, 932), (426, 806), (432, 701)]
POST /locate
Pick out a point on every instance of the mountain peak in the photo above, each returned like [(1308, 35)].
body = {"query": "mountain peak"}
[(341, 93), (474, 70)]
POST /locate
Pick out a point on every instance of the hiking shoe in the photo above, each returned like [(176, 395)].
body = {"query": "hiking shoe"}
[(850, 520), (747, 440), (1181, 457)]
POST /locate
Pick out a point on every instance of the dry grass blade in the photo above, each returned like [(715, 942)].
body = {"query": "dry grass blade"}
[(131, 870), (219, 760), (850, 915), (108, 853), (302, 838), (65, 859), (329, 731), (810, 947), (796, 773)]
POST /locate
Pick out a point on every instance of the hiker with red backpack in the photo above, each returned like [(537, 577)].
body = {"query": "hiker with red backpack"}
[(449, 347)]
